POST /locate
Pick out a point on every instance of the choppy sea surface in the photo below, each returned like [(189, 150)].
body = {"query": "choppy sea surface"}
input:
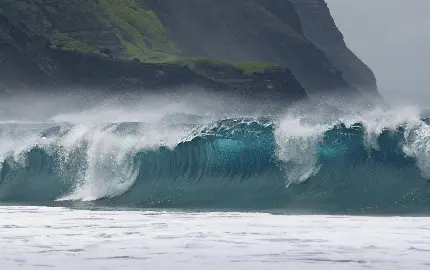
[(61, 238)]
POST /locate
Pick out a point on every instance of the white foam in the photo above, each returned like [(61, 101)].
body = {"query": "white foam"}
[(298, 140), (66, 239), (417, 145), (377, 120), (110, 166), (297, 148), (17, 140)]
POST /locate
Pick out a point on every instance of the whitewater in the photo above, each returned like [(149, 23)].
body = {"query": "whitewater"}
[(176, 188), (374, 162), (60, 238)]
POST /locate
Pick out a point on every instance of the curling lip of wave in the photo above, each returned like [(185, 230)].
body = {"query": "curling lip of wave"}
[(375, 162)]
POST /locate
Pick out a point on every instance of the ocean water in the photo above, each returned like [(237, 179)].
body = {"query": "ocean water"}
[(61, 238), (192, 192), (373, 163)]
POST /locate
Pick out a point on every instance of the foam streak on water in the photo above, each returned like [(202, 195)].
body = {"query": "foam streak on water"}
[(59, 238)]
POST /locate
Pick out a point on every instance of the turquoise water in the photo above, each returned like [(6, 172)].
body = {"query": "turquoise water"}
[(352, 166)]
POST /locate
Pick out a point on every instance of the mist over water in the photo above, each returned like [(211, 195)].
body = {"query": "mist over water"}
[(87, 106)]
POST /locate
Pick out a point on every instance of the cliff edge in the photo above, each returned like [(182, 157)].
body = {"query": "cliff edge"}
[(319, 26), (54, 42)]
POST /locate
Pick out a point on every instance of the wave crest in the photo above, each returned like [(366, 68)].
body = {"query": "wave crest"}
[(370, 162)]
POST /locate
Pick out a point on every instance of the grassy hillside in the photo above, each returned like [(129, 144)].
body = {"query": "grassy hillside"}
[(217, 69), (141, 33), (120, 28), (126, 29)]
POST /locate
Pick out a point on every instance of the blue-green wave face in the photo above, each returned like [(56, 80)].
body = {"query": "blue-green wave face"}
[(243, 163)]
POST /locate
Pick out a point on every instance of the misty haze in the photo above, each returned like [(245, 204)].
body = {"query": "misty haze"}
[(393, 40), (214, 134)]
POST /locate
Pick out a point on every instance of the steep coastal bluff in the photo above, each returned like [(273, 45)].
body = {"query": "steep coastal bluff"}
[(284, 50), (319, 26)]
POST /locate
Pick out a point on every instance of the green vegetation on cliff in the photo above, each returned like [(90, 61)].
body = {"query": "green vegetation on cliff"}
[(206, 64), (124, 27), (253, 67), (69, 43), (245, 36), (141, 33)]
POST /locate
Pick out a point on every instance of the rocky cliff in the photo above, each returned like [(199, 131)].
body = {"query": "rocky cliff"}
[(319, 26), (129, 43), (246, 30)]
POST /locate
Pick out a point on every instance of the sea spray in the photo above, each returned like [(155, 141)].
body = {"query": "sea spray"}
[(373, 162)]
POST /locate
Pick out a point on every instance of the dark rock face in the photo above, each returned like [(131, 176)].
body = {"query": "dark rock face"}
[(320, 28), (27, 62), (299, 35), (241, 31), (20, 59), (276, 87)]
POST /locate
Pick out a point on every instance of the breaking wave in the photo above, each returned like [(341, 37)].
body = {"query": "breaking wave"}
[(378, 162)]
